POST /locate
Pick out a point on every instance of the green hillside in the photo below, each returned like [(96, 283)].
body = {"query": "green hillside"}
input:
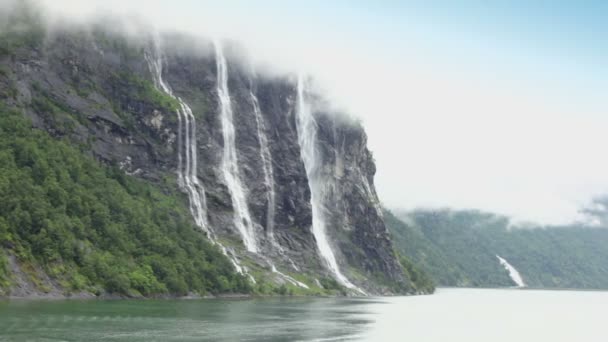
[(95, 229), (459, 248)]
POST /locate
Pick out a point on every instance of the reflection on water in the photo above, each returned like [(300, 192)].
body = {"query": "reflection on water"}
[(276, 319), (450, 315)]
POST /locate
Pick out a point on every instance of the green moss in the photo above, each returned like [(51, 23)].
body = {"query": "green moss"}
[(61, 117), (198, 101), (144, 90)]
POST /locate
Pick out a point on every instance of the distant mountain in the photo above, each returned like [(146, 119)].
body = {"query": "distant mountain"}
[(460, 248)]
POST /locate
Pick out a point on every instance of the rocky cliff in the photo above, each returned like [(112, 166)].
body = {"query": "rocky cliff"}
[(152, 105)]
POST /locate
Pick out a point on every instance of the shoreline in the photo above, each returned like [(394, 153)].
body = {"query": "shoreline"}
[(110, 297)]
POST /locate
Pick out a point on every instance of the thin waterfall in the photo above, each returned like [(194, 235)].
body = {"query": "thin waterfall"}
[(307, 138), (187, 177), (187, 158), (513, 273), (229, 166), (266, 158), (288, 278), (242, 217)]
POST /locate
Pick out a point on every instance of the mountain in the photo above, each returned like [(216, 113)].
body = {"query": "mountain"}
[(467, 248), (163, 164)]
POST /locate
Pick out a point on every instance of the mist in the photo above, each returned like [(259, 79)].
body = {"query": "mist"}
[(455, 118)]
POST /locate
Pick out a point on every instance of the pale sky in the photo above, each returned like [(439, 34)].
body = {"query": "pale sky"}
[(498, 107)]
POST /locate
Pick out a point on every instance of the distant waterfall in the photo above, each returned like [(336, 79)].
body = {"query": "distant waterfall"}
[(513, 273), (307, 138), (186, 145), (230, 169), (266, 158)]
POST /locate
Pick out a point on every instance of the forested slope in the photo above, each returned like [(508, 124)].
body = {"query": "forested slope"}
[(93, 228), (459, 248)]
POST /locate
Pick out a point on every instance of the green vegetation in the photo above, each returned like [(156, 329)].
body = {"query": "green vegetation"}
[(53, 112), (140, 89), (332, 286), (421, 281), (21, 29), (4, 272), (459, 248), (408, 240), (265, 286), (95, 229)]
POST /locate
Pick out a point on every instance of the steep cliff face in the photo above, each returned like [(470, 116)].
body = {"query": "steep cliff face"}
[(352, 203), (109, 99)]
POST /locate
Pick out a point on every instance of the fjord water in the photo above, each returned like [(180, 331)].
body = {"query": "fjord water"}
[(470, 315)]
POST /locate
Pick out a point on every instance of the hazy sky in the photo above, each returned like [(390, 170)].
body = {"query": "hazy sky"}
[(502, 107)]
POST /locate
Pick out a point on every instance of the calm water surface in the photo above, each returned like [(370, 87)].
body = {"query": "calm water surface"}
[(450, 315)]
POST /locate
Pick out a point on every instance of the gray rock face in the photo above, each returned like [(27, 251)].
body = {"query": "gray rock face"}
[(104, 83), (353, 207)]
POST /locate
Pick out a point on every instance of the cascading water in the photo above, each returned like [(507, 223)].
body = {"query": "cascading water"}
[(307, 138), (288, 278), (187, 177), (267, 167), (186, 144), (266, 158), (230, 169), (513, 273)]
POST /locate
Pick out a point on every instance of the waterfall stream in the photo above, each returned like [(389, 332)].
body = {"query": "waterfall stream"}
[(513, 273), (266, 158), (187, 177), (307, 138), (229, 166), (187, 158), (187, 168)]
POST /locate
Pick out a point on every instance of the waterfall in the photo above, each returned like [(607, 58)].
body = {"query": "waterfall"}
[(229, 166), (513, 273), (266, 158), (187, 177), (187, 159), (307, 138)]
